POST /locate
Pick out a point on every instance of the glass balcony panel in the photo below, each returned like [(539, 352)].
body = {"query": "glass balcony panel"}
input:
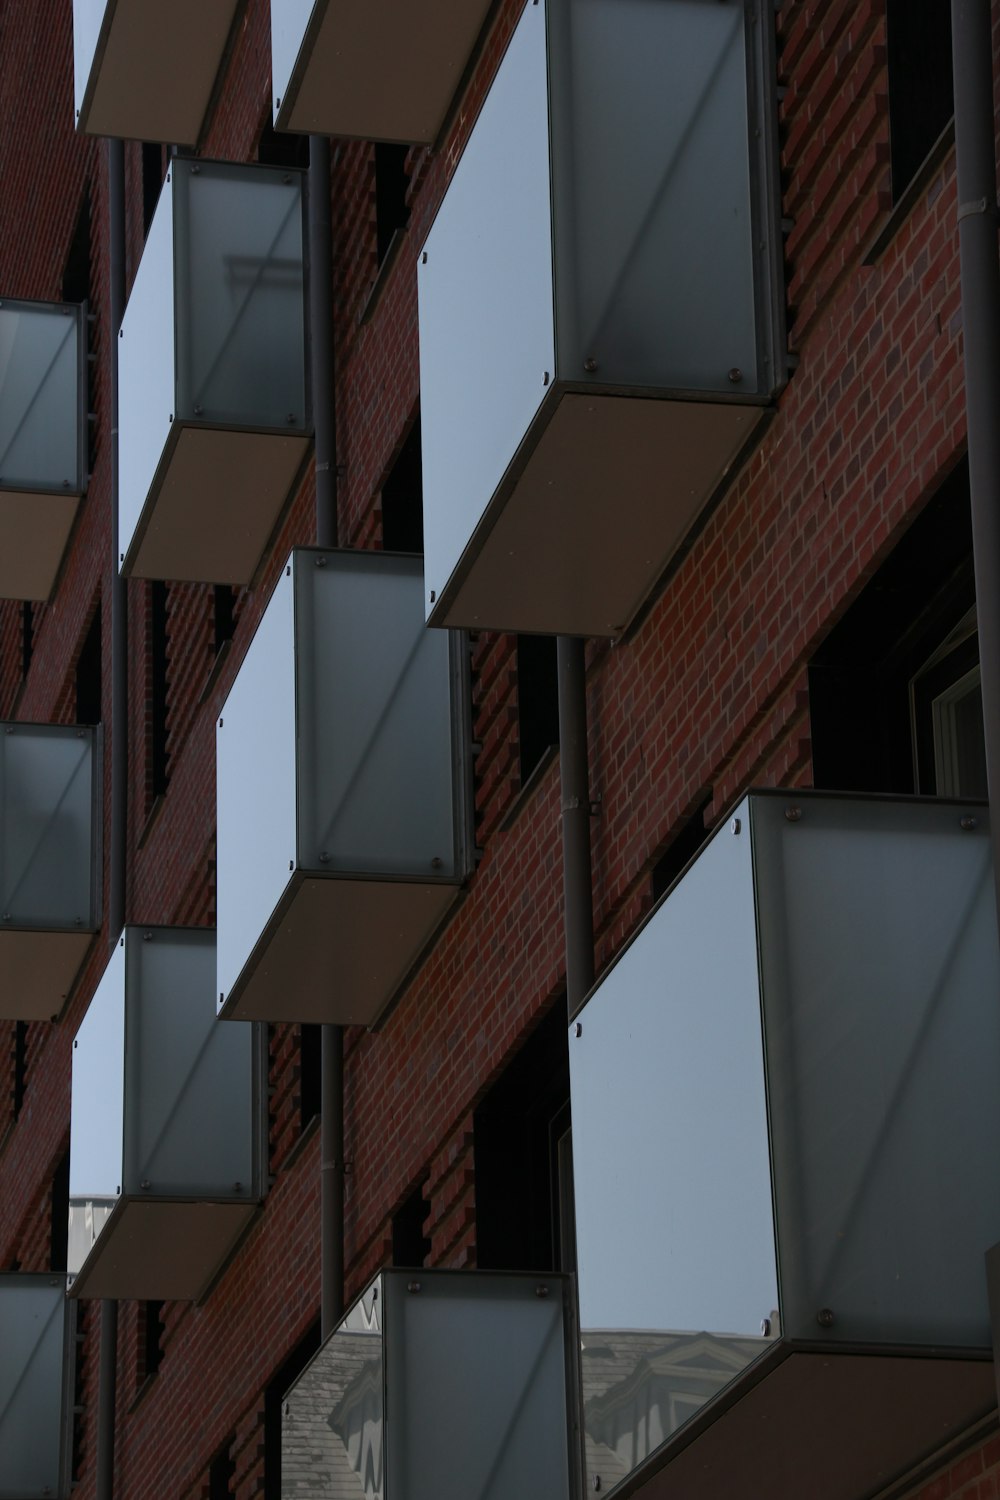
[(651, 161), (256, 786), (97, 1112), (146, 393), (332, 1435), (376, 762), (472, 1368), (476, 1385), (40, 397), (880, 969), (240, 296), (48, 826), (188, 1080), (675, 1237), (289, 20), (486, 291), (34, 1351)]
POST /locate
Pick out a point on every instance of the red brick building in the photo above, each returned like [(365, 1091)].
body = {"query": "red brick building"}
[(808, 622)]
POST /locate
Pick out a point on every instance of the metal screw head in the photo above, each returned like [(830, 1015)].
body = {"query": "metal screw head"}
[(765, 1328), (9, 729), (277, 103), (735, 375), (793, 814), (735, 826), (321, 562), (220, 723), (290, 419), (6, 916), (423, 259), (596, 1481), (824, 1318), (237, 1187), (590, 364), (147, 937), (578, 1029), (968, 824), (199, 410), (433, 595), (413, 1286), (324, 858), (437, 862), (144, 1184), (541, 1290), (545, 377)]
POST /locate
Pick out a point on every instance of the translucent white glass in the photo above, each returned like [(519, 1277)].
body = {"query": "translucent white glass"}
[(87, 18), (240, 295), (188, 1079), (48, 826), (470, 1370), (40, 397), (146, 393), (487, 338), (880, 967), (33, 1354), (256, 786), (651, 162), (376, 760), (289, 19), (675, 1238)]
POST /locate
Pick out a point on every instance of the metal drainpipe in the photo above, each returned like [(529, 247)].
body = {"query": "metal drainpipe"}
[(325, 422), (575, 786), (108, 1369), (975, 152)]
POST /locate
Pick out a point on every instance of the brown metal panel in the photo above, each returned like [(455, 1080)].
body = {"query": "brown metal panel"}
[(167, 1251), (37, 970), (34, 530)]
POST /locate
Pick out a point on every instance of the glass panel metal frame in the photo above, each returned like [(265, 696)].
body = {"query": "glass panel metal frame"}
[(91, 922), (50, 1443), (63, 484)]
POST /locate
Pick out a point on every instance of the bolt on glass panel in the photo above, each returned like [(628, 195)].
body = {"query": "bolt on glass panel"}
[(35, 1354), (41, 397), (471, 1367), (48, 827)]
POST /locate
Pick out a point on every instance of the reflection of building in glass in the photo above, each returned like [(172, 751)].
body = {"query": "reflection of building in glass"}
[(639, 1388), (332, 1435)]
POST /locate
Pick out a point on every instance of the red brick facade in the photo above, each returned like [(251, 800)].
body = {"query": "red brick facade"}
[(707, 695)]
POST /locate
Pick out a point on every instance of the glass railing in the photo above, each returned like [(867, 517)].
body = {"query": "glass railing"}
[(568, 282), (760, 1086), (343, 805), (213, 372), (50, 879), (42, 411), (165, 1114), (472, 1368), (36, 1354)]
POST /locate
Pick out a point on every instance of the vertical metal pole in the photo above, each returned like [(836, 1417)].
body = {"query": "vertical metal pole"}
[(108, 1370), (324, 418), (972, 44), (578, 905)]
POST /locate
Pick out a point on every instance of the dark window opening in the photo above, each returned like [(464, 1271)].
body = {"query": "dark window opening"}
[(78, 1460), (537, 699), (391, 185), (521, 1144), (20, 1066), (88, 674), (151, 1349), (224, 614), (921, 94), (403, 499), (59, 1217), (152, 181), (282, 148), (27, 636), (874, 679), (310, 1071), (222, 1472), (273, 1397), (682, 850), (159, 772), (76, 272), (410, 1246)]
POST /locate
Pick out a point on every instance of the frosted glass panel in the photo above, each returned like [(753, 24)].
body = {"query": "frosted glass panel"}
[(87, 18), (240, 297), (487, 341), (98, 1096), (651, 165), (476, 1390), (47, 826), (675, 1237), (40, 397), (33, 1313), (188, 1078), (375, 721), (332, 1420), (256, 786), (881, 974), (289, 19)]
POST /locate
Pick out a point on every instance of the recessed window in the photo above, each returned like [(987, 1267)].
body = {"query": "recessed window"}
[(682, 849), (150, 1339), (391, 186), (158, 765), (59, 1217), (153, 173), (310, 1072), (87, 677), (537, 700), (222, 1472), (403, 498), (20, 1066), (921, 95), (410, 1246), (273, 1396)]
